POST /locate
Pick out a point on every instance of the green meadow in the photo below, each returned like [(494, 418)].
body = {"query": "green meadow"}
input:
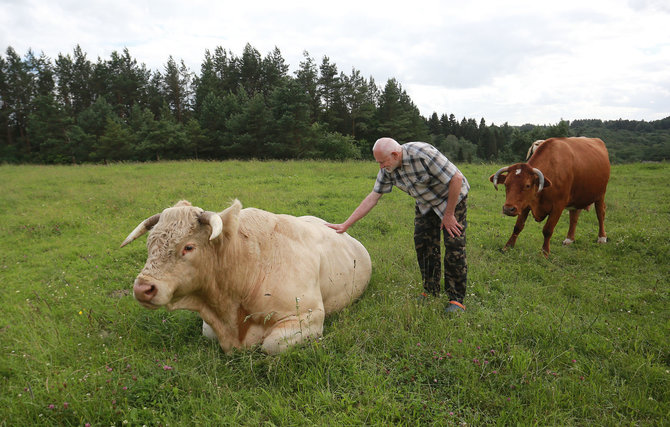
[(580, 338)]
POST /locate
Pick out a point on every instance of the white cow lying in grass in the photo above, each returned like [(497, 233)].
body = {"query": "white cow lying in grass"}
[(253, 276)]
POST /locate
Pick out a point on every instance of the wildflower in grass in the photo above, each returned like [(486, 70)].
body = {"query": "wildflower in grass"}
[(109, 368), (51, 406), (167, 368), (460, 340), (81, 312), (574, 360), (65, 405)]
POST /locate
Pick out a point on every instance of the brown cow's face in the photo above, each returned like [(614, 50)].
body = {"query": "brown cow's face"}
[(178, 248), (521, 185)]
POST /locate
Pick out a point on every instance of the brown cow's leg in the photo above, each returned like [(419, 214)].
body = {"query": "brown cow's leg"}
[(574, 217), (518, 227), (600, 212), (548, 229)]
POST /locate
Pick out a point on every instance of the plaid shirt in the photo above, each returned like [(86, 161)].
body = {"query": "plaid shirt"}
[(424, 174)]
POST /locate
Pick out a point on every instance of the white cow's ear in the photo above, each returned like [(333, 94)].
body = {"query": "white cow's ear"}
[(231, 219)]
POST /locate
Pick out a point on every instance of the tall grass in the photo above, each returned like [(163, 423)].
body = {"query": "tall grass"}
[(580, 338)]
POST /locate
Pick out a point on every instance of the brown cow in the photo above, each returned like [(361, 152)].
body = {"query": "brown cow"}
[(563, 173), (253, 276)]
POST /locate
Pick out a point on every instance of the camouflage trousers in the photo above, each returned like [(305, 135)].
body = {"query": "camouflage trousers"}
[(427, 244)]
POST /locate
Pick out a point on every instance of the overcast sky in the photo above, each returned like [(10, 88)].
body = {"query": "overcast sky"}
[(505, 61)]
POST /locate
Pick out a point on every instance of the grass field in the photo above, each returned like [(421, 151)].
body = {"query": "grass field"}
[(581, 338)]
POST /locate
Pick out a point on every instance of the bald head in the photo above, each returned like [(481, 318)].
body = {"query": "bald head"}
[(387, 153), (385, 146)]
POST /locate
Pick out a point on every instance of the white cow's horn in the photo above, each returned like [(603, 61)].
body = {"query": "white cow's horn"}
[(541, 176), (213, 220), (495, 177), (144, 226)]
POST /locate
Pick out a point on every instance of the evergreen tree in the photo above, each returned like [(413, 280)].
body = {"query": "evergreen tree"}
[(17, 97), (122, 82), (114, 144), (74, 78), (291, 124), (249, 129), (329, 86), (307, 78), (7, 150), (359, 101), (398, 116), (435, 125), (206, 83), (274, 71), (94, 121), (227, 70), (251, 71), (47, 126), (176, 89)]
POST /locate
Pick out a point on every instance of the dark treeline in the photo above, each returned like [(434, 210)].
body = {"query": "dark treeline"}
[(74, 110)]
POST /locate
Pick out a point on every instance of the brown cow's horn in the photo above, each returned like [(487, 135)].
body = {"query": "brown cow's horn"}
[(213, 220), (495, 177), (144, 226), (541, 176)]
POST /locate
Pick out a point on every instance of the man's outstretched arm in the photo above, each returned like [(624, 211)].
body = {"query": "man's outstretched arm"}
[(363, 208)]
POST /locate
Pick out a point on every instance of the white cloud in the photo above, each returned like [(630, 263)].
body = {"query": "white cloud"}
[(518, 62)]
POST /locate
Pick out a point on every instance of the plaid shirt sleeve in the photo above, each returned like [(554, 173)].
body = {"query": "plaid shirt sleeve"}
[(437, 164), (383, 184)]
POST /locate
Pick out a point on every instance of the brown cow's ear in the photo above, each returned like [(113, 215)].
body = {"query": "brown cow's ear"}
[(231, 218), (547, 182), (498, 177), (501, 177)]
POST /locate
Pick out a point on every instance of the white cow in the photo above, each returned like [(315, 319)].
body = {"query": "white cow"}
[(533, 147), (253, 276)]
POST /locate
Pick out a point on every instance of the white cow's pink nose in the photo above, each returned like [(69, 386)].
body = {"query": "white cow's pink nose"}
[(144, 290)]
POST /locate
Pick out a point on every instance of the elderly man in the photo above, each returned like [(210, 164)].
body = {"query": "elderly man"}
[(440, 190)]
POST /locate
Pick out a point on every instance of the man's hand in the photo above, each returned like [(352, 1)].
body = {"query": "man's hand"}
[(340, 228), (452, 226)]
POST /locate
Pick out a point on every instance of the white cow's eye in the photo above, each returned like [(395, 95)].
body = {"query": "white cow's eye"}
[(187, 249)]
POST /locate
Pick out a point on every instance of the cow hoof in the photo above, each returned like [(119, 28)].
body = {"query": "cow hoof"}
[(602, 239), (567, 242)]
